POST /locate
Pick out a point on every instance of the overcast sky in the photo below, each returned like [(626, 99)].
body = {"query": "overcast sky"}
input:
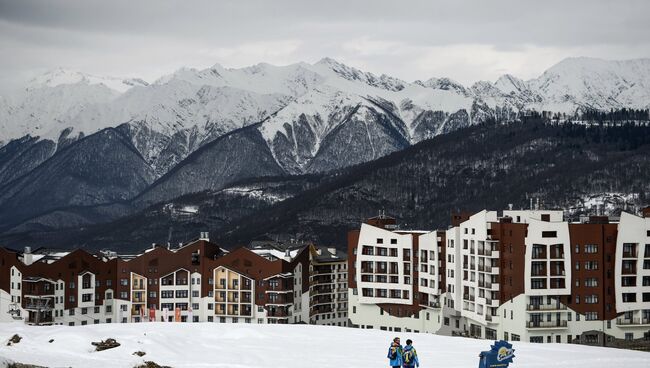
[(463, 40)]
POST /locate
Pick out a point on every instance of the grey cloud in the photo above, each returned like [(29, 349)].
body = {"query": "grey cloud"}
[(150, 36)]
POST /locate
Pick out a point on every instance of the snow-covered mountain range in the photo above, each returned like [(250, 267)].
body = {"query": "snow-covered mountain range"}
[(190, 107), (198, 130)]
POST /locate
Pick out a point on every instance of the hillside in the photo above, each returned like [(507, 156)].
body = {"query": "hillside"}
[(486, 166), (291, 346), (206, 129)]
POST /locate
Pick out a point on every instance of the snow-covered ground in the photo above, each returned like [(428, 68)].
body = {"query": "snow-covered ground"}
[(289, 346)]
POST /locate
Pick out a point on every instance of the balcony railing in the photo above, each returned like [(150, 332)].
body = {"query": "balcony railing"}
[(545, 307), (547, 324), (622, 321), (469, 297)]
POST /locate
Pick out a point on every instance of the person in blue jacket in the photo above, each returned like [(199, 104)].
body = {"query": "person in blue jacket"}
[(395, 353), (410, 356)]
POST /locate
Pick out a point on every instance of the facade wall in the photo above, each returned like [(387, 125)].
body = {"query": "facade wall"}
[(521, 276)]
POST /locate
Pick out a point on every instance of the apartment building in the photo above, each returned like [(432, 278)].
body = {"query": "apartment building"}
[(328, 287), (516, 275), (277, 283), (197, 282), (396, 277)]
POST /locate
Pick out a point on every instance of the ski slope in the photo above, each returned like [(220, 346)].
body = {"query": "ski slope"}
[(288, 346)]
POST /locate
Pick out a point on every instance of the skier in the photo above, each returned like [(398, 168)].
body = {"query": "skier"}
[(410, 356), (395, 353)]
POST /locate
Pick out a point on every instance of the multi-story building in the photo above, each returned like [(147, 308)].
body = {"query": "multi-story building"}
[(328, 287), (396, 278), (197, 282), (517, 275)]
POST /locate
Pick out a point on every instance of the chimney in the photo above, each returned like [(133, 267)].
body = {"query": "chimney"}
[(510, 206), (287, 255), (28, 258), (204, 236)]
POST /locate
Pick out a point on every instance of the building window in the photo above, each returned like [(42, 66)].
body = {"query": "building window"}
[(591, 282), (538, 284), (629, 297), (591, 299), (549, 234), (591, 248), (166, 294), (124, 282), (86, 297), (181, 293)]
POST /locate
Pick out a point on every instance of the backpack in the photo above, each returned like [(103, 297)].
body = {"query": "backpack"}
[(393, 352), (408, 357)]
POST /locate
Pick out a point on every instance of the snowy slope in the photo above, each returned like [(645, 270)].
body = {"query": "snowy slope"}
[(290, 346)]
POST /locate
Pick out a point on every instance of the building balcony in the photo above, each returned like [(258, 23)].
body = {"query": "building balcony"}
[(632, 322), (545, 307), (321, 300), (496, 254), (546, 324), (321, 309), (469, 297), (323, 289), (39, 303), (494, 286)]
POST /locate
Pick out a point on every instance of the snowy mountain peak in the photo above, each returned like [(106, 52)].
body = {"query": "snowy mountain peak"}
[(509, 84), (353, 74), (62, 76), (446, 84)]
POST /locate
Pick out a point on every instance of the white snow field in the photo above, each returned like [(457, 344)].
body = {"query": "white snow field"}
[(287, 346)]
